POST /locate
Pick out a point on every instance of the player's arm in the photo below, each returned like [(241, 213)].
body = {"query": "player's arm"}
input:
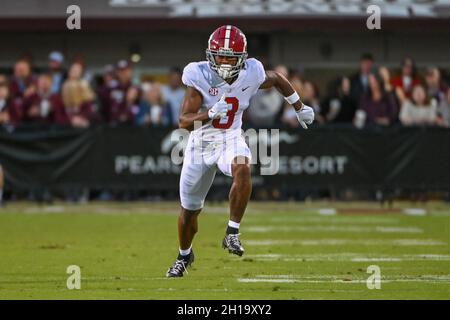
[(279, 82), (190, 106), (192, 103), (305, 114)]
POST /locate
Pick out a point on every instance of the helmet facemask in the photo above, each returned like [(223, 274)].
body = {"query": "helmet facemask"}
[(226, 71)]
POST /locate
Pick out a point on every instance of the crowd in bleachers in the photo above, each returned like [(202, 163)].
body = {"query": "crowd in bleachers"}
[(73, 97), (371, 96)]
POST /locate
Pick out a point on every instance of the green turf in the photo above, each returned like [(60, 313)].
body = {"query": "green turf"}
[(125, 249)]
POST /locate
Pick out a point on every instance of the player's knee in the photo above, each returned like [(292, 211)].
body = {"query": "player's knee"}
[(188, 216), (189, 213)]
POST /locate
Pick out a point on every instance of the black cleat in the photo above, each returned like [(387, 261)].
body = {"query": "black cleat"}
[(232, 242), (180, 266)]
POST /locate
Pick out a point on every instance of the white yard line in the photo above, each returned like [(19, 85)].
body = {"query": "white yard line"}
[(341, 279), (268, 280), (357, 220), (340, 242), (445, 277), (414, 211), (353, 257), (398, 229), (327, 212), (247, 280), (349, 228)]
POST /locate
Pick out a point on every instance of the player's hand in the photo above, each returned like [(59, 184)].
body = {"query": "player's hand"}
[(219, 110), (305, 116)]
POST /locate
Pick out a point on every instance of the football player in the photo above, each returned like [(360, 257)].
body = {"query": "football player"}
[(218, 92)]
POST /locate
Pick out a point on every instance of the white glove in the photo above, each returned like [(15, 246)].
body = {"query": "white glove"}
[(305, 116), (219, 110)]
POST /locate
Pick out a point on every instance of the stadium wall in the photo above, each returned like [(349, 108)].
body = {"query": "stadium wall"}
[(126, 158)]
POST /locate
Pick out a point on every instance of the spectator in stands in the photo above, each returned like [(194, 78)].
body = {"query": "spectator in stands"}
[(108, 82), (444, 111), (340, 107), (435, 87), (295, 75), (310, 96), (43, 107), (408, 78), (288, 115), (283, 70), (173, 94), (142, 116), (109, 76), (379, 106), (23, 83), (76, 71), (360, 81), (385, 76), (86, 74), (117, 104), (152, 110), (55, 67), (124, 73), (420, 109), (266, 105), (78, 99), (10, 109), (132, 102)]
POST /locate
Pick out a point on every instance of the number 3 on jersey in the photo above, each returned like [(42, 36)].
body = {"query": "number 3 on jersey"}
[(226, 122)]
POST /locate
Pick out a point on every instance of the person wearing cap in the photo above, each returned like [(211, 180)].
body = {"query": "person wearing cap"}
[(55, 68), (124, 73), (108, 81), (116, 107), (109, 76)]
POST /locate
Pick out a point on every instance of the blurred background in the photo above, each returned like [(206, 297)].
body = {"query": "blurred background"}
[(88, 114)]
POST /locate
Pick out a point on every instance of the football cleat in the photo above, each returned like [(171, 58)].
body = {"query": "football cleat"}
[(180, 266), (233, 244)]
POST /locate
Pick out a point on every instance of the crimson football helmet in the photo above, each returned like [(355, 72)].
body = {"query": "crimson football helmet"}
[(227, 41)]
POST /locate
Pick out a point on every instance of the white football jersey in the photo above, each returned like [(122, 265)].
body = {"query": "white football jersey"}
[(200, 76)]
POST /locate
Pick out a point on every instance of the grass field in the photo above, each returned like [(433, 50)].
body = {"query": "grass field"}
[(293, 251)]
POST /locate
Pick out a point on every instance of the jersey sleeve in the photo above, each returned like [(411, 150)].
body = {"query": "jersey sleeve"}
[(190, 75), (258, 70)]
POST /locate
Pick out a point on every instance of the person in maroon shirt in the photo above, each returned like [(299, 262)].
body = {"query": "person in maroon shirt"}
[(78, 108), (405, 82), (10, 108), (117, 106), (43, 107), (379, 105), (108, 81), (23, 83)]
